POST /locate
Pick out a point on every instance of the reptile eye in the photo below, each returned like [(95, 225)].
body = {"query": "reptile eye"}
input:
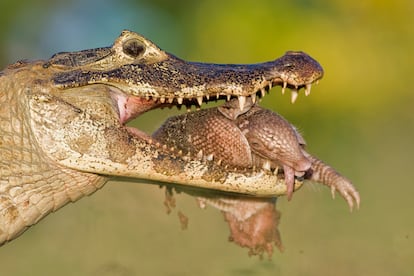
[(133, 48)]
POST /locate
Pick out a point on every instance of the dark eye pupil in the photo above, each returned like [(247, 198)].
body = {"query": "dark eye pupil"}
[(133, 48)]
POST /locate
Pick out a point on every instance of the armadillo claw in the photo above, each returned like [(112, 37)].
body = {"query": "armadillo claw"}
[(348, 192)]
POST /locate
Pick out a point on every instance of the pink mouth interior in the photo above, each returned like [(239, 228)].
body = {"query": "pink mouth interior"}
[(130, 107)]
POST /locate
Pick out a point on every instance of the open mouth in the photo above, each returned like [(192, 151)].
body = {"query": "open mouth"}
[(130, 107), (150, 79)]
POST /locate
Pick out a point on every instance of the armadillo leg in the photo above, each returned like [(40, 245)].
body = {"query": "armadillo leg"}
[(325, 174)]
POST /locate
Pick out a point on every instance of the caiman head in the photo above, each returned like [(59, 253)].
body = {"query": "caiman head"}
[(62, 123), (135, 67), (79, 102)]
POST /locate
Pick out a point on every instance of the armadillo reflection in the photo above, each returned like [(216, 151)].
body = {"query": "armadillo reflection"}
[(252, 138)]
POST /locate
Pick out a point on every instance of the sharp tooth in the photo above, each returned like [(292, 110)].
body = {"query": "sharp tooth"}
[(170, 100), (219, 162), (242, 102), (201, 203), (308, 89), (294, 95), (228, 97), (217, 95), (270, 85), (253, 97), (276, 171), (208, 97), (284, 87), (317, 82), (262, 92), (147, 98), (200, 100), (162, 100), (209, 157), (266, 165), (200, 154), (180, 100)]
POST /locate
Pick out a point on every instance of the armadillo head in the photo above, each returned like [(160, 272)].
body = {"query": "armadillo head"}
[(271, 137)]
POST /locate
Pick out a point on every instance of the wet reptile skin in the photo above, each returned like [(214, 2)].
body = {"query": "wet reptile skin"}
[(63, 133)]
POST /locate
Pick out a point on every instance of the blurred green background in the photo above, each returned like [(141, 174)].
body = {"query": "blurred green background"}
[(359, 119)]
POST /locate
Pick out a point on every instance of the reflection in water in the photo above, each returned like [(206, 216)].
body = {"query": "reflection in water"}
[(253, 222)]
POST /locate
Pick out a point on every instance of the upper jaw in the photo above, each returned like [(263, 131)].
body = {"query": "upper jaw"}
[(138, 68), (174, 81), (200, 82)]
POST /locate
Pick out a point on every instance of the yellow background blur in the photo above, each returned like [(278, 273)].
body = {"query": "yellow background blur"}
[(359, 119)]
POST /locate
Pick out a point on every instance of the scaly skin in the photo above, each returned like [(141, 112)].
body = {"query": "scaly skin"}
[(63, 133), (249, 138)]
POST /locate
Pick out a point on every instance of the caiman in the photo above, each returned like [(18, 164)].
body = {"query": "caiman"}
[(63, 130)]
